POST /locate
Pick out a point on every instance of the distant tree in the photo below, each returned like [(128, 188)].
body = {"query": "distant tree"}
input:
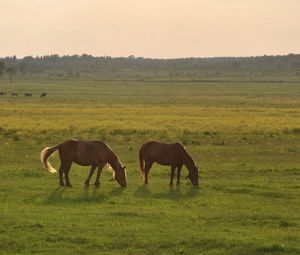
[(77, 74), (22, 67), (11, 71), (235, 65), (2, 67), (296, 66)]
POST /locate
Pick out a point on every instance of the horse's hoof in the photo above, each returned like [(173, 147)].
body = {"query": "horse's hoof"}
[(69, 185), (62, 184), (97, 185)]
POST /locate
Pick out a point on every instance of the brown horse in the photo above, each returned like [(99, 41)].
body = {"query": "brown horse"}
[(85, 153), (173, 155), (44, 94)]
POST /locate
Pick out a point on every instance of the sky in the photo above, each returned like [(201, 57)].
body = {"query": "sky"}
[(149, 28)]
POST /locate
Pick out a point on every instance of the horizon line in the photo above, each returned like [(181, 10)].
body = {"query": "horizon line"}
[(142, 57)]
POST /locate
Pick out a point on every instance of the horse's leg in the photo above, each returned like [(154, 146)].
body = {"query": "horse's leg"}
[(61, 171), (87, 181), (99, 171), (172, 174), (66, 168), (148, 165), (178, 174)]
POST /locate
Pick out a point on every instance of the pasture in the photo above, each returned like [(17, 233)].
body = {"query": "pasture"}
[(244, 136)]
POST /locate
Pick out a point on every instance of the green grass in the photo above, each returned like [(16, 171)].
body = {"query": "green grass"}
[(243, 135)]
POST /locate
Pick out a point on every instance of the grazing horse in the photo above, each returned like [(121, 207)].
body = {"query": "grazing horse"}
[(2, 93), (44, 94), (173, 155), (85, 153), (15, 94), (28, 94)]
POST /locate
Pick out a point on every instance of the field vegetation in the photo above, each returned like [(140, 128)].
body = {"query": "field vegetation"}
[(244, 134)]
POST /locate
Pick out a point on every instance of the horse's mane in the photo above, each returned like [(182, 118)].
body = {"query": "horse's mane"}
[(110, 169), (187, 154)]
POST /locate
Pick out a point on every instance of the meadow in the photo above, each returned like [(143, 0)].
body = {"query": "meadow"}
[(243, 134)]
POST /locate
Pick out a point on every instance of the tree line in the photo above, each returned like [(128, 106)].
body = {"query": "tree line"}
[(78, 65), (11, 71)]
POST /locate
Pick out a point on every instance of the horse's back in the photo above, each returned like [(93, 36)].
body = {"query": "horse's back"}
[(162, 146), (80, 150), (68, 147), (162, 153), (152, 146), (90, 146)]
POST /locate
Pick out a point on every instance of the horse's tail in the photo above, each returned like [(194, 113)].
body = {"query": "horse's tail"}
[(45, 154), (141, 161)]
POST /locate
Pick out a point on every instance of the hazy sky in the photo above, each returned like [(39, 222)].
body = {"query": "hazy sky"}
[(150, 28)]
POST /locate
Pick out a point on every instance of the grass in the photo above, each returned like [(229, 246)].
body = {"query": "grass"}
[(243, 135)]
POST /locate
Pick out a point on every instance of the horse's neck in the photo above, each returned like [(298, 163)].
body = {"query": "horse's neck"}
[(188, 161), (113, 161)]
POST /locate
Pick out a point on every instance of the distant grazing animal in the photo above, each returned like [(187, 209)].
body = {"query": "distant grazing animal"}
[(174, 155), (15, 94), (28, 94), (2, 93), (44, 94), (85, 153)]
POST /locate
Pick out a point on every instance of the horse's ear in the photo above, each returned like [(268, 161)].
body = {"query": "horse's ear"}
[(124, 167)]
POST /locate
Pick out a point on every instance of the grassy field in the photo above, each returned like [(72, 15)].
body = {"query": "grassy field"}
[(244, 135)]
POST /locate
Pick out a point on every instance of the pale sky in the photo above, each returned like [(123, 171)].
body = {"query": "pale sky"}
[(149, 28)]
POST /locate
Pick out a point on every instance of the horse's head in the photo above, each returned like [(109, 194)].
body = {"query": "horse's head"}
[(120, 175), (194, 175)]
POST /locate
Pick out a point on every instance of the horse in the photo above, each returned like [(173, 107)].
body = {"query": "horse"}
[(2, 93), (174, 155), (44, 94), (15, 94), (27, 94), (85, 153)]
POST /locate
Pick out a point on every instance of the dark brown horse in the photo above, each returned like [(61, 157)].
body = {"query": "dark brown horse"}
[(44, 94), (173, 155), (85, 153)]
